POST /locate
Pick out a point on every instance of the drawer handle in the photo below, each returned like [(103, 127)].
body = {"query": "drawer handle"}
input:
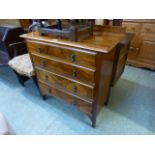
[(43, 63), (75, 89), (147, 29), (131, 48), (133, 28), (74, 73), (137, 49), (46, 78), (39, 50), (73, 57)]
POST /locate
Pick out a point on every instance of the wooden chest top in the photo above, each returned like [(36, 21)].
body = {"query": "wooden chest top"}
[(98, 43)]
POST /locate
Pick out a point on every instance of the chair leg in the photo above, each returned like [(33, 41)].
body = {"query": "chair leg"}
[(21, 78)]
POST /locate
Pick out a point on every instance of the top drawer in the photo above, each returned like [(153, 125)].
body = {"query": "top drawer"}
[(69, 54), (132, 27), (148, 28)]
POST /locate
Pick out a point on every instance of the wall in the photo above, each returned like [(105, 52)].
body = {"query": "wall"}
[(10, 21), (99, 21)]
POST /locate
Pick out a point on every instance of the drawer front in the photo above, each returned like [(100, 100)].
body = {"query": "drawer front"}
[(148, 28), (82, 105), (69, 84), (82, 58), (71, 71), (148, 36), (147, 51), (132, 27)]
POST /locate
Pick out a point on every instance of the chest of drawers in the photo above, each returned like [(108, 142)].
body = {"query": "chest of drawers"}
[(77, 72)]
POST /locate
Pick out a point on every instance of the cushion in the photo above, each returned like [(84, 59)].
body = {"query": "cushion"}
[(5, 128), (22, 64)]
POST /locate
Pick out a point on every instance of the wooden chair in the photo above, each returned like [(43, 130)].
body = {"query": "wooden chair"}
[(21, 64)]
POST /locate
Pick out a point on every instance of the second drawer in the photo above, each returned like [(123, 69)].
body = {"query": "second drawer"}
[(75, 72)]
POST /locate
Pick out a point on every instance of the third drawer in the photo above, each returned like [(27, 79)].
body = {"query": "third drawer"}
[(75, 86)]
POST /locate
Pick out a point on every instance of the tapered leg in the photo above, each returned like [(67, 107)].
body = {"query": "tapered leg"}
[(94, 121), (44, 97), (94, 112), (21, 78), (108, 96)]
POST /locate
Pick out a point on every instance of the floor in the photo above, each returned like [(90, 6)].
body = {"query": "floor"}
[(131, 108)]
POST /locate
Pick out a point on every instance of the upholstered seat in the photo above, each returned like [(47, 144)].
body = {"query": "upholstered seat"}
[(22, 65), (5, 128)]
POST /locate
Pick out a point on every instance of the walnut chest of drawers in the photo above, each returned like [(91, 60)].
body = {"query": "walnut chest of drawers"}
[(77, 72)]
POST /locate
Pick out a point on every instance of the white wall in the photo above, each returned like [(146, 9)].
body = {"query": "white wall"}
[(99, 21)]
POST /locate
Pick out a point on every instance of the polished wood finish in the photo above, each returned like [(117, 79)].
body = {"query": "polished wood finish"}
[(142, 49), (68, 97), (102, 29), (121, 57), (122, 49), (83, 80), (72, 55), (70, 84), (70, 70)]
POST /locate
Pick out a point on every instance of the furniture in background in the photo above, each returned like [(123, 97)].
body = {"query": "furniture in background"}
[(79, 73), (25, 23), (112, 22), (74, 30), (9, 34), (142, 49)]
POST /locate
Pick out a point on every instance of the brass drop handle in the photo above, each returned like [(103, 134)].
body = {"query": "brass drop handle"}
[(73, 57), (75, 89), (46, 78), (147, 29), (131, 48), (43, 63), (137, 49), (74, 73)]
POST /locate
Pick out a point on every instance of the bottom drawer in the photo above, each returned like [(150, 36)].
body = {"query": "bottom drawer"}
[(82, 105)]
